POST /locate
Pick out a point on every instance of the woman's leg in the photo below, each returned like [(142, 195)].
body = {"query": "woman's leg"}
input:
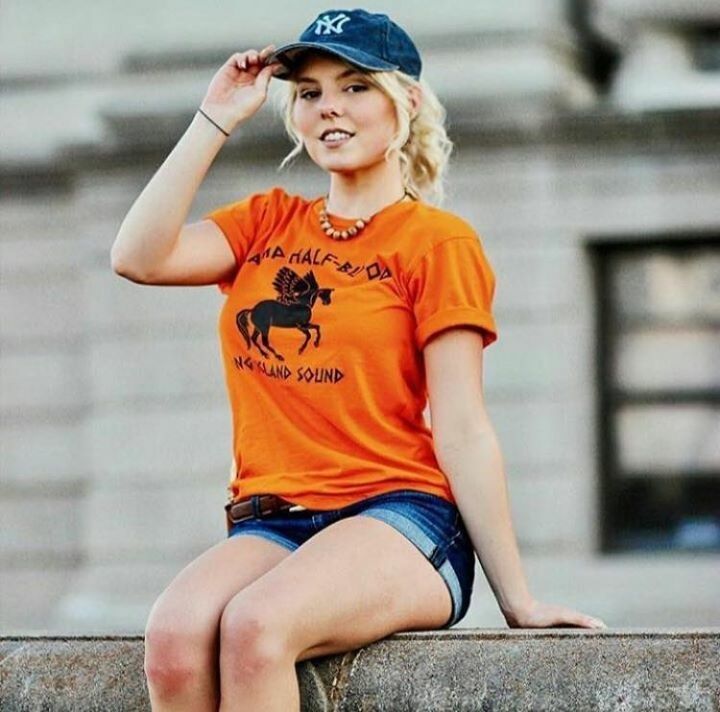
[(182, 632), (354, 582)]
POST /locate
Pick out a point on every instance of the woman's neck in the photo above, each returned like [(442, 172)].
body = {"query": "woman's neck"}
[(357, 195)]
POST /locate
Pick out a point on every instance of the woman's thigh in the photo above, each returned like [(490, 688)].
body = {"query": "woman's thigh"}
[(193, 602), (351, 581), (354, 582), (431, 523)]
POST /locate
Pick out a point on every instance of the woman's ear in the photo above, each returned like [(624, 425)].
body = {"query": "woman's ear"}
[(416, 99)]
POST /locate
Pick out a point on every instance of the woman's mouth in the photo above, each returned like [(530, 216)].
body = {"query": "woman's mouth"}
[(335, 138)]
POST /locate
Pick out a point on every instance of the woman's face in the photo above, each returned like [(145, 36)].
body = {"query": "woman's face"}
[(333, 95)]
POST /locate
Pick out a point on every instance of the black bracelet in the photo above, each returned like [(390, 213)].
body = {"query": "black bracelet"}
[(217, 126)]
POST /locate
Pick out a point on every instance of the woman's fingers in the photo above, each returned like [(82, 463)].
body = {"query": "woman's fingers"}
[(236, 60), (251, 59), (267, 51), (582, 620), (244, 60), (265, 75), (545, 615), (254, 62)]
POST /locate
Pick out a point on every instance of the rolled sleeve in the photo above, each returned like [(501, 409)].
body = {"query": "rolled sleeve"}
[(453, 285)]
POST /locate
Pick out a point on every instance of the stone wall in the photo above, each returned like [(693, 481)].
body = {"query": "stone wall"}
[(630, 670)]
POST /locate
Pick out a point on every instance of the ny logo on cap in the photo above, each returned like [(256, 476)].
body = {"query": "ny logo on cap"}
[(326, 24)]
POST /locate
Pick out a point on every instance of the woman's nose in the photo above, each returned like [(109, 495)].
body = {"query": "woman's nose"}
[(329, 106)]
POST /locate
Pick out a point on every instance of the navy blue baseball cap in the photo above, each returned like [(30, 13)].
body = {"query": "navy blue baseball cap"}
[(368, 40)]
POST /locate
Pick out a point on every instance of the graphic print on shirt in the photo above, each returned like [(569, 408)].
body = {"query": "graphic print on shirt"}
[(291, 310)]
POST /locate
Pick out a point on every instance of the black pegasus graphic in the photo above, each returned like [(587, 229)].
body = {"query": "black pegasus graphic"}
[(291, 310)]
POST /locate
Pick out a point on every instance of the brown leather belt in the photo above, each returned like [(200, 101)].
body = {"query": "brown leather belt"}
[(266, 504)]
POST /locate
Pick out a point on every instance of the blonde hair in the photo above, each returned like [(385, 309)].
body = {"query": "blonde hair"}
[(423, 144)]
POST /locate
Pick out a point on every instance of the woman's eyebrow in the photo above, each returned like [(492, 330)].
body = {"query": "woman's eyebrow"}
[(342, 75)]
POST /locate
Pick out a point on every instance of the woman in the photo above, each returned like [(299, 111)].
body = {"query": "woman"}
[(348, 519)]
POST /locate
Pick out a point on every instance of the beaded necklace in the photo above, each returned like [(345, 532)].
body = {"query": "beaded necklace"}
[(352, 231)]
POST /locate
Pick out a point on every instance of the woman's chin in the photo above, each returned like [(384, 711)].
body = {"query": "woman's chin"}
[(338, 164)]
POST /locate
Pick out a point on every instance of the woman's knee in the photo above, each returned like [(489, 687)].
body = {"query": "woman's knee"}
[(178, 655), (250, 640)]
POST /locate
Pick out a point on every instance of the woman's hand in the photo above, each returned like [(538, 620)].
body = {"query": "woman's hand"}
[(239, 88), (546, 615)]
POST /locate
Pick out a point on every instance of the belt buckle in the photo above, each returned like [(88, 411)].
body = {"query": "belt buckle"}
[(284, 505)]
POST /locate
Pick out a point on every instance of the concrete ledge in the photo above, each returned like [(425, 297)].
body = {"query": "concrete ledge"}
[(499, 670)]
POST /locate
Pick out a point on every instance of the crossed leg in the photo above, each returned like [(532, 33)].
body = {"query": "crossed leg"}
[(355, 582)]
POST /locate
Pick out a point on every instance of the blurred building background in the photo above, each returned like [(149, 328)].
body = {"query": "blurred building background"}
[(588, 158)]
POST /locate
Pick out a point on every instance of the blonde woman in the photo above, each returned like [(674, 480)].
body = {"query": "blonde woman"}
[(348, 518)]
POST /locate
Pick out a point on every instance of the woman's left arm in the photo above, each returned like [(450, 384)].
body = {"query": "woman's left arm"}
[(467, 450)]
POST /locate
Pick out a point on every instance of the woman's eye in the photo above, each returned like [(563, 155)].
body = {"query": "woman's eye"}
[(353, 88)]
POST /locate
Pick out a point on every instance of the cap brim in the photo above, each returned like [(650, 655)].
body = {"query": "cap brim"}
[(287, 55)]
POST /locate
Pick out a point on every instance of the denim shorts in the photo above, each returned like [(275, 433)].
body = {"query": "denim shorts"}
[(430, 522)]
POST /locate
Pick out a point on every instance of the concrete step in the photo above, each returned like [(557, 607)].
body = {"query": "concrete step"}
[(499, 670)]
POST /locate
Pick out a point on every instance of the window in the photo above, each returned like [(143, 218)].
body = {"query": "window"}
[(659, 393), (705, 48)]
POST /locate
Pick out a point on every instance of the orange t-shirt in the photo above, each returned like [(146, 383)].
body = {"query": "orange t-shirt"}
[(322, 345)]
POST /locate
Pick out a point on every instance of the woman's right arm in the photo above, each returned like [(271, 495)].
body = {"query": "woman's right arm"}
[(154, 245)]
